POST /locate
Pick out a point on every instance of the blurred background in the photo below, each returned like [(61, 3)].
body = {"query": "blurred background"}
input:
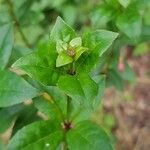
[(124, 110)]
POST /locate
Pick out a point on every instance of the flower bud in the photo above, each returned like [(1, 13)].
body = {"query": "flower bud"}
[(121, 66)]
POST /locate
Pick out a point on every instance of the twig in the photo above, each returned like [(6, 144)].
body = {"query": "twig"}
[(17, 24)]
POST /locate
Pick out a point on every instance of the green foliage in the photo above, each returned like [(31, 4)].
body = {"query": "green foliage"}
[(6, 44), (14, 89), (122, 16), (17, 115), (124, 3), (64, 72), (38, 135), (130, 24), (40, 65), (2, 146), (69, 95), (6, 121), (141, 49), (87, 135), (100, 40)]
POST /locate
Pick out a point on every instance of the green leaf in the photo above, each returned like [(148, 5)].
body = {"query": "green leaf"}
[(76, 42), (59, 97), (109, 122), (124, 3), (113, 3), (83, 91), (6, 44), (63, 59), (17, 52), (114, 79), (12, 112), (99, 40), (102, 15), (145, 34), (47, 107), (79, 52), (87, 62), (128, 74), (40, 65), (89, 87), (146, 17), (88, 135), (61, 31), (26, 115), (130, 23), (82, 111), (100, 80), (14, 90), (53, 105), (72, 11), (71, 86), (61, 46), (94, 92), (20, 114), (39, 135), (141, 49)]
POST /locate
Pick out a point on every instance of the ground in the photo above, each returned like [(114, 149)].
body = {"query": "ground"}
[(131, 108)]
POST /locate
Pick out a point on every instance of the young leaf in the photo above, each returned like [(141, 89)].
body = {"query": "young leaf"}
[(124, 3), (79, 52), (6, 44), (76, 42), (63, 59), (14, 90), (39, 135), (61, 46), (61, 31), (88, 135)]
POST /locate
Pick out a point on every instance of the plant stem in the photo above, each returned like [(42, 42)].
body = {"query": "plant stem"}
[(17, 24), (64, 145), (68, 107), (67, 123)]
